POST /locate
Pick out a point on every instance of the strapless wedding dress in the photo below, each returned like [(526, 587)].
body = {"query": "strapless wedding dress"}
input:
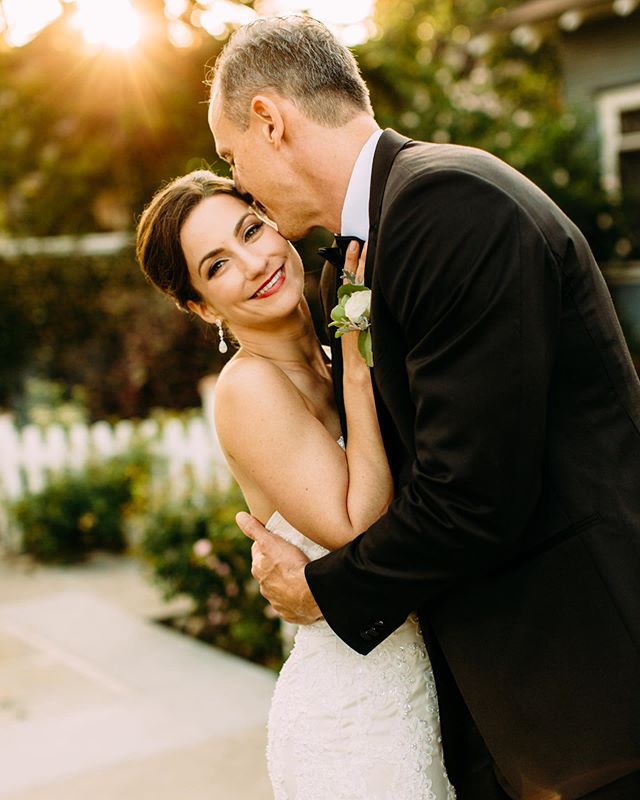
[(343, 726)]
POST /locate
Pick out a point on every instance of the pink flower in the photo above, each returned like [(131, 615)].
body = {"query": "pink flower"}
[(202, 548)]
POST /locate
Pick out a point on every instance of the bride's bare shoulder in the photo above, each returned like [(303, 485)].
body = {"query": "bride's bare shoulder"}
[(251, 388), (246, 374)]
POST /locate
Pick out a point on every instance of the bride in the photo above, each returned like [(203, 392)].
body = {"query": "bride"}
[(341, 725)]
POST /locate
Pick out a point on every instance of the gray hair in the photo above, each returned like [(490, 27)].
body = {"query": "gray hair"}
[(300, 59)]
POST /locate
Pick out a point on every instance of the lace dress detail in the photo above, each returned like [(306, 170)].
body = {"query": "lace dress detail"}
[(343, 726)]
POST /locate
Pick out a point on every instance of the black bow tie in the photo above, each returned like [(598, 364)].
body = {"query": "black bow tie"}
[(336, 255)]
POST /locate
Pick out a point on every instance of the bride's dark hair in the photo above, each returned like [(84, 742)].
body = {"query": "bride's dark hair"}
[(158, 247)]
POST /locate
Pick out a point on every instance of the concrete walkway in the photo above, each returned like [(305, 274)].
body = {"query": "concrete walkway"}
[(98, 701)]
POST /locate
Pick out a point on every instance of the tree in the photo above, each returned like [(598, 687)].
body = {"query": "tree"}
[(435, 76), (89, 135)]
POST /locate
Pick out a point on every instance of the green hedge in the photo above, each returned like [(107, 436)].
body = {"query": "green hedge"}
[(79, 512), (94, 323)]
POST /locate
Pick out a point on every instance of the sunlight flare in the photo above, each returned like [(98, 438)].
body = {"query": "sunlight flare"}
[(350, 21), (24, 21), (115, 24), (216, 16)]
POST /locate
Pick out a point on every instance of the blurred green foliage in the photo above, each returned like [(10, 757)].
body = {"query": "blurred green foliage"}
[(196, 549), (45, 402), (94, 323), (87, 136), (79, 512), (436, 76)]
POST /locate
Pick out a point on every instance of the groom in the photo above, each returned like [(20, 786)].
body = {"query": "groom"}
[(510, 413)]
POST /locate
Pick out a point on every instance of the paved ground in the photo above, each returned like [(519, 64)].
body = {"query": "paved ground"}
[(98, 701)]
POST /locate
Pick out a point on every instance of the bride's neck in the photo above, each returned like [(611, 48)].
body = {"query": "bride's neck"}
[(290, 343)]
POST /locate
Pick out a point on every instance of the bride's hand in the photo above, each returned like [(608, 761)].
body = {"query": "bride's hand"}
[(354, 364), (355, 261)]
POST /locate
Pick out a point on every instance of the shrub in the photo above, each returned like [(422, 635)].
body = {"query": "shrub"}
[(197, 550), (78, 512)]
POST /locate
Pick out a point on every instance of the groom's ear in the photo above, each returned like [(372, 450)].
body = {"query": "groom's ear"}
[(270, 117)]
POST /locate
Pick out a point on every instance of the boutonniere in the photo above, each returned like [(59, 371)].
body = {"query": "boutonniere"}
[(353, 313)]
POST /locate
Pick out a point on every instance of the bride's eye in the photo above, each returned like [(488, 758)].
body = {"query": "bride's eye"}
[(252, 230), (214, 267)]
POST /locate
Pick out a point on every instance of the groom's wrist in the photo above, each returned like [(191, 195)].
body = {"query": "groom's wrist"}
[(310, 610)]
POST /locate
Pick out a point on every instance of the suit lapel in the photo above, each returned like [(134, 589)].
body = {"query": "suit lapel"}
[(389, 146), (386, 364)]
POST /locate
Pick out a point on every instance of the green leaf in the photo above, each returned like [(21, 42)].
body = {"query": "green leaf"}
[(347, 289), (365, 347)]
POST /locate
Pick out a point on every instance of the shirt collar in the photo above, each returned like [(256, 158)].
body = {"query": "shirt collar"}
[(355, 211)]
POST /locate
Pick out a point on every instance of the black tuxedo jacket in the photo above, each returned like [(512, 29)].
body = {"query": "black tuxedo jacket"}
[(510, 412)]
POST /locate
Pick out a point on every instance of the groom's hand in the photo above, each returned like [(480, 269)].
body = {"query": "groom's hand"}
[(279, 569)]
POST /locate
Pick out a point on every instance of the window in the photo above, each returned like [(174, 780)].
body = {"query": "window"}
[(630, 156), (619, 119)]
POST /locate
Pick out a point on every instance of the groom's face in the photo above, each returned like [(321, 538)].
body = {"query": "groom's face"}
[(260, 171)]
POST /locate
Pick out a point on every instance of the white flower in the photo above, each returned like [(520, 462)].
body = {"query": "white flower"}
[(358, 305)]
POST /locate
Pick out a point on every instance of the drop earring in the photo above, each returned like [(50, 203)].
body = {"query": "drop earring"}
[(222, 345)]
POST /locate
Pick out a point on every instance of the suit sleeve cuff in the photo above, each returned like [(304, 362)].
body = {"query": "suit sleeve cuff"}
[(360, 623)]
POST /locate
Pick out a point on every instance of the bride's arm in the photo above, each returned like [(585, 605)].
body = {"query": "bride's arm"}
[(370, 480), (275, 445)]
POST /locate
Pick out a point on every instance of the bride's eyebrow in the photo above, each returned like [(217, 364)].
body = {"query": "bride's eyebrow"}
[(218, 250)]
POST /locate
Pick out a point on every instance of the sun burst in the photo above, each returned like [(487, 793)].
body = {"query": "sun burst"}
[(115, 24), (23, 22)]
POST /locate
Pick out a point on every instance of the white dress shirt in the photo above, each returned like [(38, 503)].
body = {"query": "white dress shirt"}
[(355, 211)]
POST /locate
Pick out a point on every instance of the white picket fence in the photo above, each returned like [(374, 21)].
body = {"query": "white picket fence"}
[(185, 455)]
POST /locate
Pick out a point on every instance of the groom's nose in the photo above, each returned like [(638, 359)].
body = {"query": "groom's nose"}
[(237, 182)]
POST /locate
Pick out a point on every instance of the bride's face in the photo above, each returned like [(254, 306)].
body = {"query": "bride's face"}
[(247, 274)]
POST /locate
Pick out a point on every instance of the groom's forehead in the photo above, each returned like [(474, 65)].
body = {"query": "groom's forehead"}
[(218, 128), (214, 113)]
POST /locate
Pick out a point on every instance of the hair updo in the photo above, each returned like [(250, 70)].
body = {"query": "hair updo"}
[(158, 247)]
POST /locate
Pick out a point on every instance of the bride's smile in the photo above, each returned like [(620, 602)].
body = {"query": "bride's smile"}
[(272, 285)]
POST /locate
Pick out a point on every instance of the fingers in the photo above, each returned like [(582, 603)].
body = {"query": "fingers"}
[(351, 258), (354, 264), (250, 526), (361, 263), (257, 562)]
